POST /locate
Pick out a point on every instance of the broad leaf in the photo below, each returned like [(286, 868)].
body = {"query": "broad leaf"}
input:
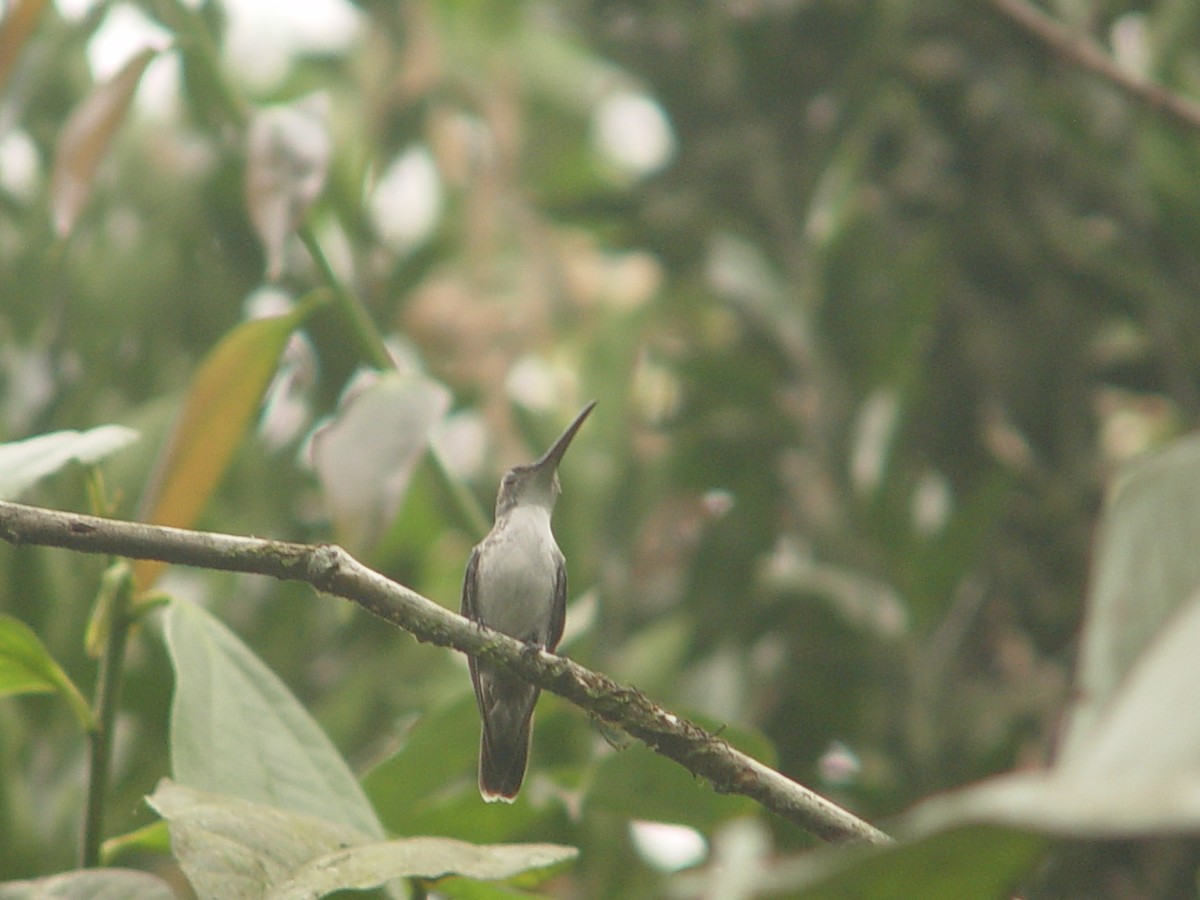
[(90, 884), (24, 463), (85, 139), (237, 730), (1147, 741), (359, 868), (232, 848), (219, 408), (26, 667), (1146, 566)]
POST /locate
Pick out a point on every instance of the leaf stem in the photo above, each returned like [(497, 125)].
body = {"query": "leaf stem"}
[(370, 343), (100, 737)]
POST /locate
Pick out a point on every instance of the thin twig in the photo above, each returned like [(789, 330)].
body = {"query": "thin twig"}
[(330, 569), (1082, 51)]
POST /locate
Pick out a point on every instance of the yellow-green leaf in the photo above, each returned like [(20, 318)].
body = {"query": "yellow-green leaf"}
[(220, 406), (149, 839), (26, 667), (85, 139), (111, 600)]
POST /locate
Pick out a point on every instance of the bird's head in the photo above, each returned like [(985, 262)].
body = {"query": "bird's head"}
[(537, 483)]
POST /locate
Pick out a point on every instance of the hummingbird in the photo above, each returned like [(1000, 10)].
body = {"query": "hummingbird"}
[(516, 583)]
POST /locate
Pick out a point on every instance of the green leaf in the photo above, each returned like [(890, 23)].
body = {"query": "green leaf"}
[(237, 730), (91, 884), (26, 667), (1146, 566), (85, 139), (229, 847), (24, 463), (221, 402)]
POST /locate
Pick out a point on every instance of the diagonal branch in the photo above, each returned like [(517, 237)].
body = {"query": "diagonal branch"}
[(1084, 52), (331, 569)]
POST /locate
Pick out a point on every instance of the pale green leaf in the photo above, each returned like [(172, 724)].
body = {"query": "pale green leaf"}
[(1146, 566), (90, 884), (236, 729), (24, 463), (360, 868), (233, 848)]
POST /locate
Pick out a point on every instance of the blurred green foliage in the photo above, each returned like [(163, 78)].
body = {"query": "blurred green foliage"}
[(866, 347)]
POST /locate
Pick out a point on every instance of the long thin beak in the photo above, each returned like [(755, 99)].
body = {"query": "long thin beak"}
[(549, 460)]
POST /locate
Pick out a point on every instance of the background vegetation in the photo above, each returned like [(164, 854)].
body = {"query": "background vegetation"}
[(874, 297)]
